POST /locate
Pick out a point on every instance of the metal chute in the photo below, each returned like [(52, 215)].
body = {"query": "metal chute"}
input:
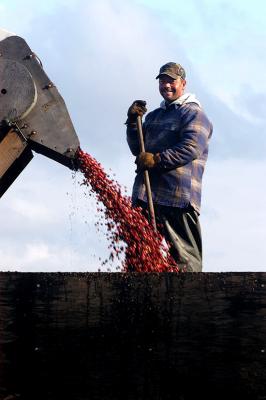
[(33, 115)]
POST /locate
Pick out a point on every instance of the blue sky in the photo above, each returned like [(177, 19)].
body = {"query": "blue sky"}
[(103, 55)]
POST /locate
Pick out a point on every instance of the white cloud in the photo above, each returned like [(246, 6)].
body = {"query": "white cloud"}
[(38, 257), (234, 216), (36, 253), (225, 43), (26, 209)]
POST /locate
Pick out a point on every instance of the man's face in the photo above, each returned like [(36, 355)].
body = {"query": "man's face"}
[(171, 89)]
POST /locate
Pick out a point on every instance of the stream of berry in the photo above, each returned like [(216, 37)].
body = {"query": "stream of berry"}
[(128, 229)]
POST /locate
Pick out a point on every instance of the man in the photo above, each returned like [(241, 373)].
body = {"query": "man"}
[(176, 143)]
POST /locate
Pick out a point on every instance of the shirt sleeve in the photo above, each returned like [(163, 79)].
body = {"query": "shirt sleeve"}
[(192, 140), (132, 139), (132, 136)]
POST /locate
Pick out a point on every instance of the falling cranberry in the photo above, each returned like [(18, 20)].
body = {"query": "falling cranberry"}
[(144, 248)]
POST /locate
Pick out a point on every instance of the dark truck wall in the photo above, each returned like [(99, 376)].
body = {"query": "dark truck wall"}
[(132, 336)]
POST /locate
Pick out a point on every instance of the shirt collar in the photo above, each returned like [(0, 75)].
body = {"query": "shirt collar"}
[(185, 98)]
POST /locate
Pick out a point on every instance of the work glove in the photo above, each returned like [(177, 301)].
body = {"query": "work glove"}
[(147, 161), (138, 108)]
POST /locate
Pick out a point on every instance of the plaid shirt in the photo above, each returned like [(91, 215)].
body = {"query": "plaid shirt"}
[(180, 134)]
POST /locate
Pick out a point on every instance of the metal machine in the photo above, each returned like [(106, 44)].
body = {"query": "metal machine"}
[(33, 115)]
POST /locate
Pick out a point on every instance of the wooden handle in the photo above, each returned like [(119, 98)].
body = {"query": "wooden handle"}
[(146, 176)]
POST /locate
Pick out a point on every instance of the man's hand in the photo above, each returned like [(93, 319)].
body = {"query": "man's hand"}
[(147, 161), (138, 108)]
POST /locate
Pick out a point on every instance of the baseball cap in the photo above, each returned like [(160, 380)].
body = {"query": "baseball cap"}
[(173, 70)]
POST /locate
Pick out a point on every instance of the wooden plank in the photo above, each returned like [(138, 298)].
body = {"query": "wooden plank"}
[(11, 147)]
